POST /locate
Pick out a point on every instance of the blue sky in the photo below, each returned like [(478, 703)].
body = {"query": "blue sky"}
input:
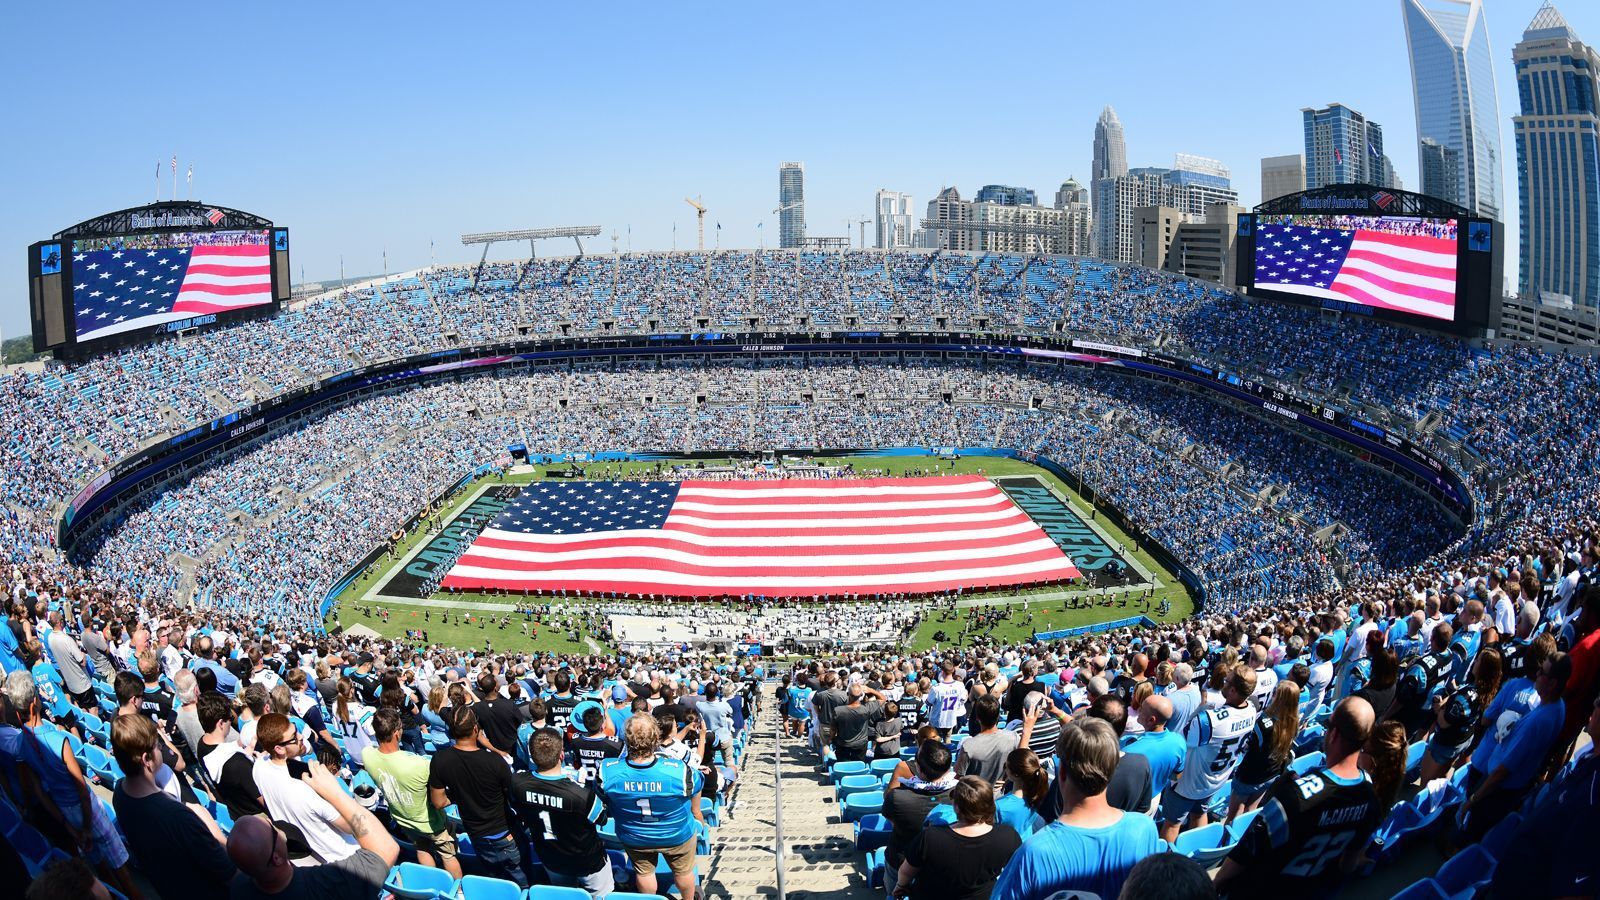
[(366, 127)]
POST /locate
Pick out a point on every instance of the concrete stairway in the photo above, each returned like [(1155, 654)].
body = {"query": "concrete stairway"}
[(820, 860)]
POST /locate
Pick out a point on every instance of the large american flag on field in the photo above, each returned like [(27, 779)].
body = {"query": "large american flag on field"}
[(1413, 273), (116, 290), (780, 538)]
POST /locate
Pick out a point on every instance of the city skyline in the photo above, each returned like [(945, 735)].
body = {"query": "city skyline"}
[(355, 176)]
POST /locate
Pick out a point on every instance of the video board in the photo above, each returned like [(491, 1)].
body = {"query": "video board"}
[(128, 282), (1396, 263)]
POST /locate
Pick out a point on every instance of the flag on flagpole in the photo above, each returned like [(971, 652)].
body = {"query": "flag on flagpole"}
[(189, 179), (174, 163)]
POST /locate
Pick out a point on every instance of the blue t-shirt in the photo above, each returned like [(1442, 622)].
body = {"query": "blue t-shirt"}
[(52, 690), (1008, 810), (1062, 857), (1524, 750), (1515, 699), (1166, 751), (652, 804), (797, 702)]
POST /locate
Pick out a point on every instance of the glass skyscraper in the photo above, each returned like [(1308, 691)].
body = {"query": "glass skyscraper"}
[(791, 204), (1558, 162), (1342, 147), (1110, 153), (1458, 115)]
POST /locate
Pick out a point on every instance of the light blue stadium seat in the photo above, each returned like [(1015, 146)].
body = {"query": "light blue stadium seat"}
[(872, 832), (855, 784), (856, 806), (409, 881), (1414, 760), (884, 766), (875, 865), (552, 892), (1240, 825), (1499, 837), (1304, 764), (1465, 872), (849, 767), (1204, 845), (477, 887), (1426, 889)]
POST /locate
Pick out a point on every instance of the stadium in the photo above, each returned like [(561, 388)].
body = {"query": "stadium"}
[(1043, 575)]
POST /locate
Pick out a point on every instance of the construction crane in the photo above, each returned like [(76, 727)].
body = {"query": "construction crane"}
[(700, 217)]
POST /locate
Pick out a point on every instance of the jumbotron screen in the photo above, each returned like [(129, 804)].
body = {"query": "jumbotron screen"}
[(1401, 264), (126, 283)]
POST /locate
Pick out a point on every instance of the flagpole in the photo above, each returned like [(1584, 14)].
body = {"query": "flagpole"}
[(174, 177), (158, 181)]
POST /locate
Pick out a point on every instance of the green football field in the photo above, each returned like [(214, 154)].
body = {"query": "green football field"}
[(473, 618)]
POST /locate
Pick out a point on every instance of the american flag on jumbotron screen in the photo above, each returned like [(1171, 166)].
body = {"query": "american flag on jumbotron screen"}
[(1384, 268), (117, 289), (780, 538)]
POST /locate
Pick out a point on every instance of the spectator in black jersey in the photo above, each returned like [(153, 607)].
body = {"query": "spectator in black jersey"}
[(179, 848), (366, 680), (562, 702), (594, 746), (960, 861), (226, 763), (1312, 829), (561, 815), (498, 717)]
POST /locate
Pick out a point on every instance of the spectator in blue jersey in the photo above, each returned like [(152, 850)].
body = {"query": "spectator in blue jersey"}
[(653, 799), (1092, 846), (1164, 749), (1312, 829), (1552, 853), (1520, 756)]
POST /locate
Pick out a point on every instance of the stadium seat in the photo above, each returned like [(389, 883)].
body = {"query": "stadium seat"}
[(1414, 760), (477, 887), (855, 784), (410, 881), (1465, 872), (1426, 889), (875, 864), (551, 892), (849, 767), (883, 767), (1302, 765), (1499, 837), (1205, 845), (858, 805), (1240, 825), (872, 832), (629, 895)]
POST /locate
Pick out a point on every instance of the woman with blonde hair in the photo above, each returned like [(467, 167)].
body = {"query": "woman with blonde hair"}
[(1268, 749), (1383, 758), (351, 720)]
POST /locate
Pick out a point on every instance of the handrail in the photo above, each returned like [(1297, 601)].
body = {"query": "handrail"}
[(777, 801)]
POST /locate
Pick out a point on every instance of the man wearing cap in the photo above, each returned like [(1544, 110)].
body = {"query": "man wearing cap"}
[(621, 707)]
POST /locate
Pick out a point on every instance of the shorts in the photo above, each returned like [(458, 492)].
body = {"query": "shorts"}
[(598, 884), (1175, 807), (442, 845), (1245, 793), (680, 858), (107, 848)]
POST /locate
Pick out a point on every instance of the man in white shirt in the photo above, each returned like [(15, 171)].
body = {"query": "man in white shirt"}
[(1321, 674), (291, 800), (171, 651), (1186, 697), (1266, 678)]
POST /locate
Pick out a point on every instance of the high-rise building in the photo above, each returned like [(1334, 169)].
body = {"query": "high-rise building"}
[(791, 204), (1009, 220), (1342, 147), (895, 225), (1558, 163), (1110, 153), (1072, 199), (1191, 187), (1006, 195), (1458, 113), (1282, 176)]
